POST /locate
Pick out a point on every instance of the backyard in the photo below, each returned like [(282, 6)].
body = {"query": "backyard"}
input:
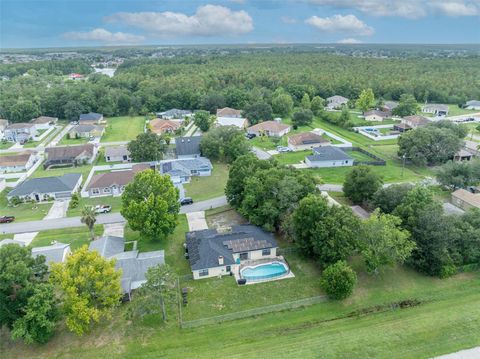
[(291, 158), (207, 187), (24, 211), (123, 128), (75, 236), (72, 141)]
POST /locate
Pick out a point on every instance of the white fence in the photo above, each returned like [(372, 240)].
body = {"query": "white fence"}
[(380, 137), (344, 143)]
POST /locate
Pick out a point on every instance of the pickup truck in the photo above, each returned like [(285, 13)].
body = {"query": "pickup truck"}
[(7, 219), (102, 208)]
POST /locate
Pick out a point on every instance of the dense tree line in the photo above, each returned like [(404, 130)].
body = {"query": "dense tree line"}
[(144, 86)]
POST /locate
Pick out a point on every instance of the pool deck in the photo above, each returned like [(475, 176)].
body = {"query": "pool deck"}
[(257, 262)]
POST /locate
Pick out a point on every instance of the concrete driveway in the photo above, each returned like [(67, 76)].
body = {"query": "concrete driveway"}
[(196, 221), (261, 154), (58, 209), (114, 229)]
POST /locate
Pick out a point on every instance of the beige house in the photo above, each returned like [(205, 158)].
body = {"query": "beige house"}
[(465, 199), (228, 112), (117, 154), (86, 131), (306, 141), (269, 128), (22, 161), (376, 116), (161, 126), (415, 121)]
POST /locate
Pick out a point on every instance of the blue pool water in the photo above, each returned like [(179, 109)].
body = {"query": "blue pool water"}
[(264, 271)]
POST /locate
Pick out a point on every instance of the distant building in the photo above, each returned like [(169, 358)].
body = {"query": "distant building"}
[(44, 122), (269, 128), (465, 199), (86, 131), (388, 106), (472, 105), (91, 118), (306, 141), (376, 116), (435, 109), (229, 112), (238, 122), (336, 102), (328, 156), (188, 147), (3, 126), (20, 132), (411, 122), (462, 155), (174, 113), (117, 154), (160, 126)]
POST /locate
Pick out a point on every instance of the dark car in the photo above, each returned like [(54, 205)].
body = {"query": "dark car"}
[(251, 135), (7, 219), (186, 200)]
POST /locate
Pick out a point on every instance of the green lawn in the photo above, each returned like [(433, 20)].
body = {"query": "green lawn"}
[(72, 141), (359, 156), (290, 158), (115, 202), (202, 188), (123, 128), (25, 211), (76, 236), (5, 145), (454, 110), (31, 144)]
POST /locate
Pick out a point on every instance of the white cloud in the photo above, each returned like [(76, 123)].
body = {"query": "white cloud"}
[(209, 20), (348, 24), (288, 20), (105, 36), (349, 41), (412, 9)]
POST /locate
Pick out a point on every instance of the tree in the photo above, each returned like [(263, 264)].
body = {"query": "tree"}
[(415, 201), (388, 198), (213, 101), (338, 280), (383, 241), (429, 145), (73, 109), (344, 119), (327, 233), (89, 217), (302, 117), (454, 174), (202, 120), (258, 112), (158, 291), (461, 131), (282, 104), (19, 275), (146, 147), (361, 183), (305, 103), (407, 106), (224, 143), (89, 286), (150, 204), (24, 111), (37, 325), (317, 105), (366, 100)]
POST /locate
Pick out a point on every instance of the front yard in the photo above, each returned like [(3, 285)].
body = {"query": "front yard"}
[(24, 211), (115, 202), (203, 188), (123, 128)]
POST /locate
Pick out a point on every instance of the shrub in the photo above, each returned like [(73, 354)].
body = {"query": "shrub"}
[(74, 201), (338, 280)]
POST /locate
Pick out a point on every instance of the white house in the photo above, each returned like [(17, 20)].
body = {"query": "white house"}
[(117, 154), (328, 156), (3, 126), (17, 162), (55, 253), (239, 122), (435, 109), (20, 132), (269, 128), (336, 102), (44, 122), (472, 105)]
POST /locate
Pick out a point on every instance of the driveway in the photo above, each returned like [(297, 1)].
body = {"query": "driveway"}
[(26, 238), (58, 209), (196, 221), (114, 229), (261, 154)]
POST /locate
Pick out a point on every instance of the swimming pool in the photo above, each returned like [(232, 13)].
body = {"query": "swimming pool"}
[(264, 271)]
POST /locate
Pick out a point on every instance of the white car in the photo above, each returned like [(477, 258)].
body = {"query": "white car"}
[(283, 149), (102, 209)]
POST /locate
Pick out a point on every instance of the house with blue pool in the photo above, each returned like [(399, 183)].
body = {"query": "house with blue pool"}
[(246, 252)]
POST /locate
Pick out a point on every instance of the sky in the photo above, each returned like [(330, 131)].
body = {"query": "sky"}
[(71, 23)]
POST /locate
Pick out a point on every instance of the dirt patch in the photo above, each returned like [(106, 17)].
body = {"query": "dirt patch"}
[(226, 218)]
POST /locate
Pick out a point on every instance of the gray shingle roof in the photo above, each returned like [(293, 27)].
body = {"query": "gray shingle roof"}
[(6, 241), (108, 246), (175, 113), (328, 153), (69, 152), (185, 166), (185, 146), (65, 183), (204, 247), (91, 116), (117, 151), (54, 253)]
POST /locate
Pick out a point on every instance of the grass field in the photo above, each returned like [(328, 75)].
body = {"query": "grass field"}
[(76, 236), (24, 211), (202, 188), (5, 145), (115, 202), (72, 141), (123, 128), (290, 158)]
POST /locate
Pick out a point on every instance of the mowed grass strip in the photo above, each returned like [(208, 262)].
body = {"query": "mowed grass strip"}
[(124, 128), (75, 236)]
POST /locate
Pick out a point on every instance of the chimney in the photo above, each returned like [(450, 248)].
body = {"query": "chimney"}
[(220, 260)]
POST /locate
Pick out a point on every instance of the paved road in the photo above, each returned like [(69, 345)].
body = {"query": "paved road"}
[(261, 154), (46, 224)]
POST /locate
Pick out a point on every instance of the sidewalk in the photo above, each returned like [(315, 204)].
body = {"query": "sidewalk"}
[(196, 221)]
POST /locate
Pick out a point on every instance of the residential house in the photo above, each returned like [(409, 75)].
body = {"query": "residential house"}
[(213, 254), (6, 241), (376, 116), (160, 126), (239, 122), (113, 183), (435, 109), (328, 156), (134, 265), (75, 76), (229, 112), (20, 132), (70, 155), (411, 122), (174, 113), (188, 147), (47, 188), (3, 126), (388, 106), (269, 128), (462, 155), (306, 141), (55, 253), (86, 131), (465, 199), (117, 154), (336, 102), (181, 170), (18, 162), (44, 122), (472, 105), (91, 118)]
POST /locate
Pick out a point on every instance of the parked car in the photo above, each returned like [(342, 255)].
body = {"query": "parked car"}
[(7, 219), (283, 149), (185, 201), (250, 135), (101, 208)]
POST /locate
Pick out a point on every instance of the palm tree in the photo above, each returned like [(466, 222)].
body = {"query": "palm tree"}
[(89, 218)]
